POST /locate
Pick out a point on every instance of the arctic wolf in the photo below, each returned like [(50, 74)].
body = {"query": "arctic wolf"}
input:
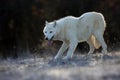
[(71, 30)]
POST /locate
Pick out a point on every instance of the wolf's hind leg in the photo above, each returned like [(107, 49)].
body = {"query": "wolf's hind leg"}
[(91, 47), (102, 42)]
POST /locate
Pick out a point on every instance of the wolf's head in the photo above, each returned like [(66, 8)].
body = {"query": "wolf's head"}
[(50, 30)]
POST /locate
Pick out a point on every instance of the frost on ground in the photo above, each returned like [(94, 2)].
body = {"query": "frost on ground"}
[(80, 67)]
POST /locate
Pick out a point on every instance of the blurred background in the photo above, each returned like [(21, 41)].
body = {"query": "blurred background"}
[(22, 23)]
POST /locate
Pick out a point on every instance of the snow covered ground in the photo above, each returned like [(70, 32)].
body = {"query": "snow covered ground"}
[(81, 67)]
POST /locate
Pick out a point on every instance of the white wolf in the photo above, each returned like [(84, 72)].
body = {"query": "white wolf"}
[(71, 30)]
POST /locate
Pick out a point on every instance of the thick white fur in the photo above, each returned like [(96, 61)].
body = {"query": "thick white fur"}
[(71, 30)]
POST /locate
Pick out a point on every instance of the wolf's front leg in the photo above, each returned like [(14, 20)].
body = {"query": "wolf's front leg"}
[(71, 49), (61, 50)]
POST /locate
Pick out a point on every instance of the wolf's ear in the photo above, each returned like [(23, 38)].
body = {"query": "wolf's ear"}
[(55, 23), (46, 22)]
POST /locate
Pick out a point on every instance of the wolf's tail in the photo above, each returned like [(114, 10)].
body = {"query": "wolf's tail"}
[(95, 42)]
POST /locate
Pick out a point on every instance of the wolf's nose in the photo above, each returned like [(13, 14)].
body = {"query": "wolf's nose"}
[(46, 38)]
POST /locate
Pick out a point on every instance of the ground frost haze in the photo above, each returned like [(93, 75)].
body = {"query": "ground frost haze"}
[(79, 67)]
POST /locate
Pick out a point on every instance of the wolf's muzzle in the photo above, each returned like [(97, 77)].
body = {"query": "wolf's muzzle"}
[(46, 38), (52, 38)]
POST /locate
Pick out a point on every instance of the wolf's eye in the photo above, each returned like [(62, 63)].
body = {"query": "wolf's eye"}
[(51, 31), (45, 31)]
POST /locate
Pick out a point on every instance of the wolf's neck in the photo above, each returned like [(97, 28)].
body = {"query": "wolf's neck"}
[(60, 35)]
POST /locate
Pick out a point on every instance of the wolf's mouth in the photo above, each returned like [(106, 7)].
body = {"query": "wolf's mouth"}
[(50, 41)]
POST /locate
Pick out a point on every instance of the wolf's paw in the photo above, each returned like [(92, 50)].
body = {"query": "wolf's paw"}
[(56, 57), (67, 58), (104, 51)]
